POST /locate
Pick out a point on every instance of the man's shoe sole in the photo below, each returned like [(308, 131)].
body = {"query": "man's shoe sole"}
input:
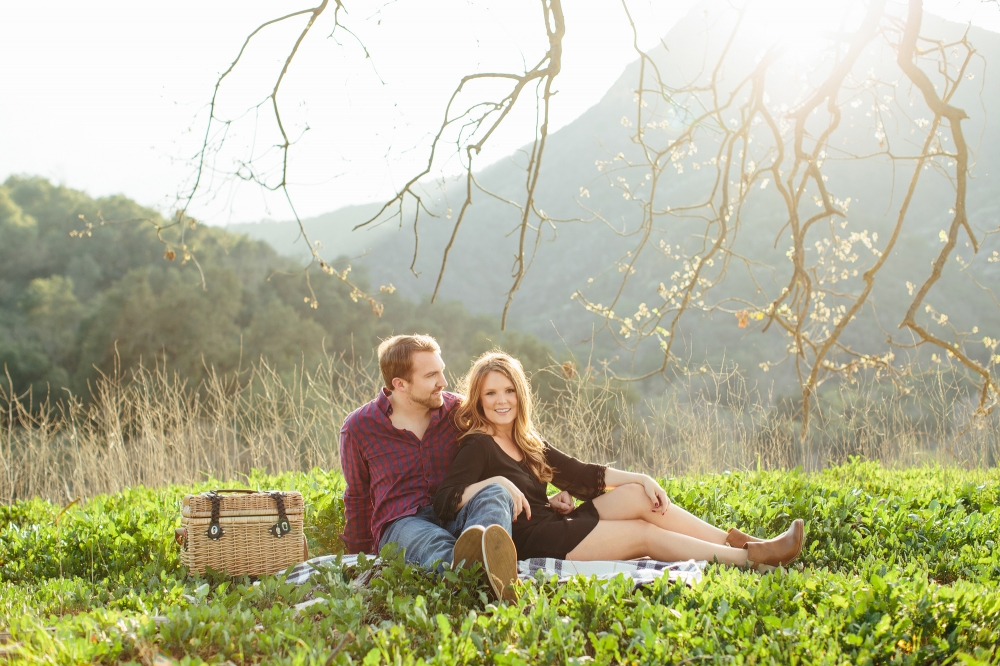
[(500, 562), (468, 547)]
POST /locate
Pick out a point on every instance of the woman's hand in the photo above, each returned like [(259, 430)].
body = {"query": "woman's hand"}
[(656, 494), (562, 502), (520, 501), (614, 478)]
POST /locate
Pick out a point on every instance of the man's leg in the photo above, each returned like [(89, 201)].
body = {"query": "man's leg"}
[(492, 505), (423, 539)]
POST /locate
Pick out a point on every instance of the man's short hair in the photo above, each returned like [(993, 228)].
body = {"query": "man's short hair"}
[(395, 355)]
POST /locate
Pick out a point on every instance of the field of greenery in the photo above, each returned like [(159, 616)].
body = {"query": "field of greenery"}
[(899, 566)]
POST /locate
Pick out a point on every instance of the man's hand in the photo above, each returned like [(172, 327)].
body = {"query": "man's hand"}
[(562, 502)]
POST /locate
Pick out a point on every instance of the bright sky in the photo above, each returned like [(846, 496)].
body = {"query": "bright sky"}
[(110, 97)]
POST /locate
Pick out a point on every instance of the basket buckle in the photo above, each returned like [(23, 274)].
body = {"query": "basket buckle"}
[(215, 531), (282, 527)]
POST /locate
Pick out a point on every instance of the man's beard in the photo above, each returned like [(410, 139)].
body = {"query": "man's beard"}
[(433, 401)]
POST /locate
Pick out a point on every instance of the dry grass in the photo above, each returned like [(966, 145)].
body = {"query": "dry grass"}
[(715, 421), (148, 427)]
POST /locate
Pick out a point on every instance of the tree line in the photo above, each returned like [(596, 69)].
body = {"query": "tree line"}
[(81, 296)]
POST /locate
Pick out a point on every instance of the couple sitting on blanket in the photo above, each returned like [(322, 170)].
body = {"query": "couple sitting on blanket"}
[(449, 479)]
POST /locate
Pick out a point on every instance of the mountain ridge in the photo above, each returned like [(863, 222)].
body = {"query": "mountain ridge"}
[(583, 254)]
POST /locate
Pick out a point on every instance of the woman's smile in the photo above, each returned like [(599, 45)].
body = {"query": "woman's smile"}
[(503, 413)]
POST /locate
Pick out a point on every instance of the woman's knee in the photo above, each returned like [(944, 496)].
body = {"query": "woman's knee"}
[(633, 497)]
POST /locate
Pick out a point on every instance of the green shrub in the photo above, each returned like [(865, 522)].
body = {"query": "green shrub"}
[(899, 566)]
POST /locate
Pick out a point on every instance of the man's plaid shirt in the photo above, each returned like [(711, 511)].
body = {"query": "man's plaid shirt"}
[(390, 473)]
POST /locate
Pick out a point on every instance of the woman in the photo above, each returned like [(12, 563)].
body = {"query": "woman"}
[(635, 518)]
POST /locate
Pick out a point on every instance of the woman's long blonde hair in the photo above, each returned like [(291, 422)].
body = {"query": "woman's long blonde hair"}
[(469, 417)]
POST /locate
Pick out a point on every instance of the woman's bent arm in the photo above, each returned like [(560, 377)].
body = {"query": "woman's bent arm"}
[(582, 480), (520, 501), (463, 482), (616, 477), (468, 467)]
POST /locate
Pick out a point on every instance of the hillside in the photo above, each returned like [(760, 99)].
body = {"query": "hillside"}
[(75, 305), (571, 253)]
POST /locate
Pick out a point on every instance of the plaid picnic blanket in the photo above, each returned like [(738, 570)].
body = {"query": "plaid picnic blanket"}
[(304, 570), (642, 572)]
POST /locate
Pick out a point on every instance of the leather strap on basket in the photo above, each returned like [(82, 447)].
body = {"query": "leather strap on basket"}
[(215, 530), (282, 527)]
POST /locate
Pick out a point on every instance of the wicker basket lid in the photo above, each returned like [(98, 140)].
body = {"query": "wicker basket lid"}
[(242, 503)]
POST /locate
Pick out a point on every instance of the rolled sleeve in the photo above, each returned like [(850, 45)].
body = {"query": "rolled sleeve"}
[(357, 536)]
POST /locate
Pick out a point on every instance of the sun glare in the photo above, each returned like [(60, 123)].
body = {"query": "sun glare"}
[(801, 28)]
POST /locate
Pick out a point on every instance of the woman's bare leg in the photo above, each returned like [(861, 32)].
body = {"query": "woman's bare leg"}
[(630, 502), (627, 539)]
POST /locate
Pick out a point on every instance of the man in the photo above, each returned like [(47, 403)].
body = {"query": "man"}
[(396, 450)]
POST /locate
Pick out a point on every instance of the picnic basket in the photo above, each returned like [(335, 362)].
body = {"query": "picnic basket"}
[(241, 531)]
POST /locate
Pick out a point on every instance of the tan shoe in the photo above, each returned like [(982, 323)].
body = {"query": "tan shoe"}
[(737, 539), (500, 562), (778, 551), (468, 547)]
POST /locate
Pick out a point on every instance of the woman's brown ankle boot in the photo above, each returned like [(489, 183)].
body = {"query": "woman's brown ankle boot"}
[(737, 539), (778, 551)]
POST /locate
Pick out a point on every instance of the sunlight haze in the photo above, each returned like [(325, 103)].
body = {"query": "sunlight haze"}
[(111, 97)]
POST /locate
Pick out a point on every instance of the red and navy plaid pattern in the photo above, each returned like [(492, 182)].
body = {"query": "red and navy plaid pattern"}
[(390, 473)]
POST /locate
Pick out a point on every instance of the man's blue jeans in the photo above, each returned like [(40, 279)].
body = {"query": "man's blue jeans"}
[(426, 540)]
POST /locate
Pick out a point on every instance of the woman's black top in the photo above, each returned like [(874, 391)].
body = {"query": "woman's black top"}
[(548, 533)]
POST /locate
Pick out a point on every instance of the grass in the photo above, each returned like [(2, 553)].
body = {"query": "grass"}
[(148, 427), (900, 565)]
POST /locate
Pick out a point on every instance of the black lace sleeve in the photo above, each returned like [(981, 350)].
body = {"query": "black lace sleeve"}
[(466, 469), (446, 504), (583, 480)]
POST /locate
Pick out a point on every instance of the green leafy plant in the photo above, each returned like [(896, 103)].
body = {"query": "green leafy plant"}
[(899, 566)]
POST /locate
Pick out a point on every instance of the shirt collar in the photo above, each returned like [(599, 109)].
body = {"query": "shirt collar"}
[(382, 401)]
